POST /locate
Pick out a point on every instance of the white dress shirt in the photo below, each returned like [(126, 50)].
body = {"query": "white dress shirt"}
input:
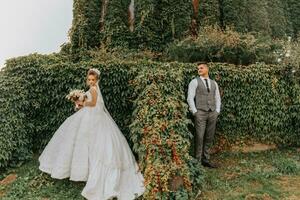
[(192, 93)]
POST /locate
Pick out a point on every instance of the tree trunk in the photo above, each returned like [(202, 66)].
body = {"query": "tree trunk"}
[(103, 14), (131, 17), (194, 22), (196, 8)]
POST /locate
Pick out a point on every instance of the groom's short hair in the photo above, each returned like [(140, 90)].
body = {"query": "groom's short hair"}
[(202, 63)]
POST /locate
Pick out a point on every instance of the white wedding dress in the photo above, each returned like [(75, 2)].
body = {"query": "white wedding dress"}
[(89, 147)]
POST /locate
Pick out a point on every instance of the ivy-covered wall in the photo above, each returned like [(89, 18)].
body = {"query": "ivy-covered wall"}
[(148, 101), (85, 31), (44, 86)]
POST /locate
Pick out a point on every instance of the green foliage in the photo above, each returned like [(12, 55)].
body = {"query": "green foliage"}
[(280, 24), (215, 45), (292, 10), (287, 166), (209, 13), (257, 102), (256, 16), (13, 138), (157, 23), (31, 183), (16, 126), (160, 22), (34, 104), (85, 31), (233, 15), (147, 100), (160, 134), (253, 176), (267, 17), (276, 18), (116, 31)]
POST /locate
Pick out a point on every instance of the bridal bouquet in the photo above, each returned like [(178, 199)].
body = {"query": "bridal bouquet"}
[(78, 97)]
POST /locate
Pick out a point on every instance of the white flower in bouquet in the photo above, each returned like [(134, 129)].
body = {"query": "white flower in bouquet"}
[(76, 96)]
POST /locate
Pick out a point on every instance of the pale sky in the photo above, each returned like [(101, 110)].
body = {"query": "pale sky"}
[(29, 26)]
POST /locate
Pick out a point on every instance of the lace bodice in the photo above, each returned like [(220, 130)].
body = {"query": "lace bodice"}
[(89, 95), (100, 102)]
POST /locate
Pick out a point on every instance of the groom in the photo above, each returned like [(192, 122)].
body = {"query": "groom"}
[(205, 103)]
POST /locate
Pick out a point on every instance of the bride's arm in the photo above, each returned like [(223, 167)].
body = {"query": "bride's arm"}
[(92, 103)]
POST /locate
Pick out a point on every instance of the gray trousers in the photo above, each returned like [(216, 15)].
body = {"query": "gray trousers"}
[(205, 124)]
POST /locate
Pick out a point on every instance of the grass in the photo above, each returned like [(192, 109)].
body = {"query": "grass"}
[(273, 174), (34, 185)]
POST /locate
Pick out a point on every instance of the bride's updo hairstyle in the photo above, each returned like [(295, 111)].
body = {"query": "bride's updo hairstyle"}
[(94, 72)]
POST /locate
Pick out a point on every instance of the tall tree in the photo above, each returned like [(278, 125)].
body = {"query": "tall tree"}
[(234, 14), (293, 13), (258, 16), (209, 12), (103, 14), (84, 33), (152, 24), (161, 21), (117, 26), (279, 21), (246, 15), (131, 16)]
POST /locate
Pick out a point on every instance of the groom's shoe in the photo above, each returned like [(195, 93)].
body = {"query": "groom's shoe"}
[(208, 164)]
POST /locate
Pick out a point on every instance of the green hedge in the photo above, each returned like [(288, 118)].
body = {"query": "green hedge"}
[(227, 46), (258, 102), (13, 140), (46, 85), (160, 134), (16, 127), (148, 101)]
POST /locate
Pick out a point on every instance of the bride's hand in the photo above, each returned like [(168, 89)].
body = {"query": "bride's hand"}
[(78, 105)]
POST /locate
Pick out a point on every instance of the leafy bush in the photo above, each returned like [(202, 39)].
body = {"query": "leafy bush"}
[(157, 23), (13, 140), (161, 136), (33, 93), (147, 100), (16, 126), (215, 45), (258, 101)]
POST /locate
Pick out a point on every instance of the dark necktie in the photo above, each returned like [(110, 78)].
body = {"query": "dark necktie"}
[(206, 83)]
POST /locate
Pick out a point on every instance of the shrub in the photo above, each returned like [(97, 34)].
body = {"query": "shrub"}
[(160, 134), (215, 45), (16, 125)]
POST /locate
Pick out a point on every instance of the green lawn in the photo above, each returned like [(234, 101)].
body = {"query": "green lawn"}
[(33, 184), (273, 174)]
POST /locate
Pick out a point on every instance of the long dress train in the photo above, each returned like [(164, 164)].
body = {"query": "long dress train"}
[(89, 147)]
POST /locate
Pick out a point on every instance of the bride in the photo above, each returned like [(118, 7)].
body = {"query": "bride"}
[(89, 147)]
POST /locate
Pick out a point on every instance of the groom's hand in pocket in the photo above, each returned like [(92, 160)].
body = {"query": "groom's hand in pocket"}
[(194, 114)]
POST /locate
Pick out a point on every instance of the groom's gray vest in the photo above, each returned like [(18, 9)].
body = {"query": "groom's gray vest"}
[(205, 100)]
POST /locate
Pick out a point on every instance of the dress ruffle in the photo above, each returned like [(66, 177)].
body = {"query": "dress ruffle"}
[(89, 147)]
